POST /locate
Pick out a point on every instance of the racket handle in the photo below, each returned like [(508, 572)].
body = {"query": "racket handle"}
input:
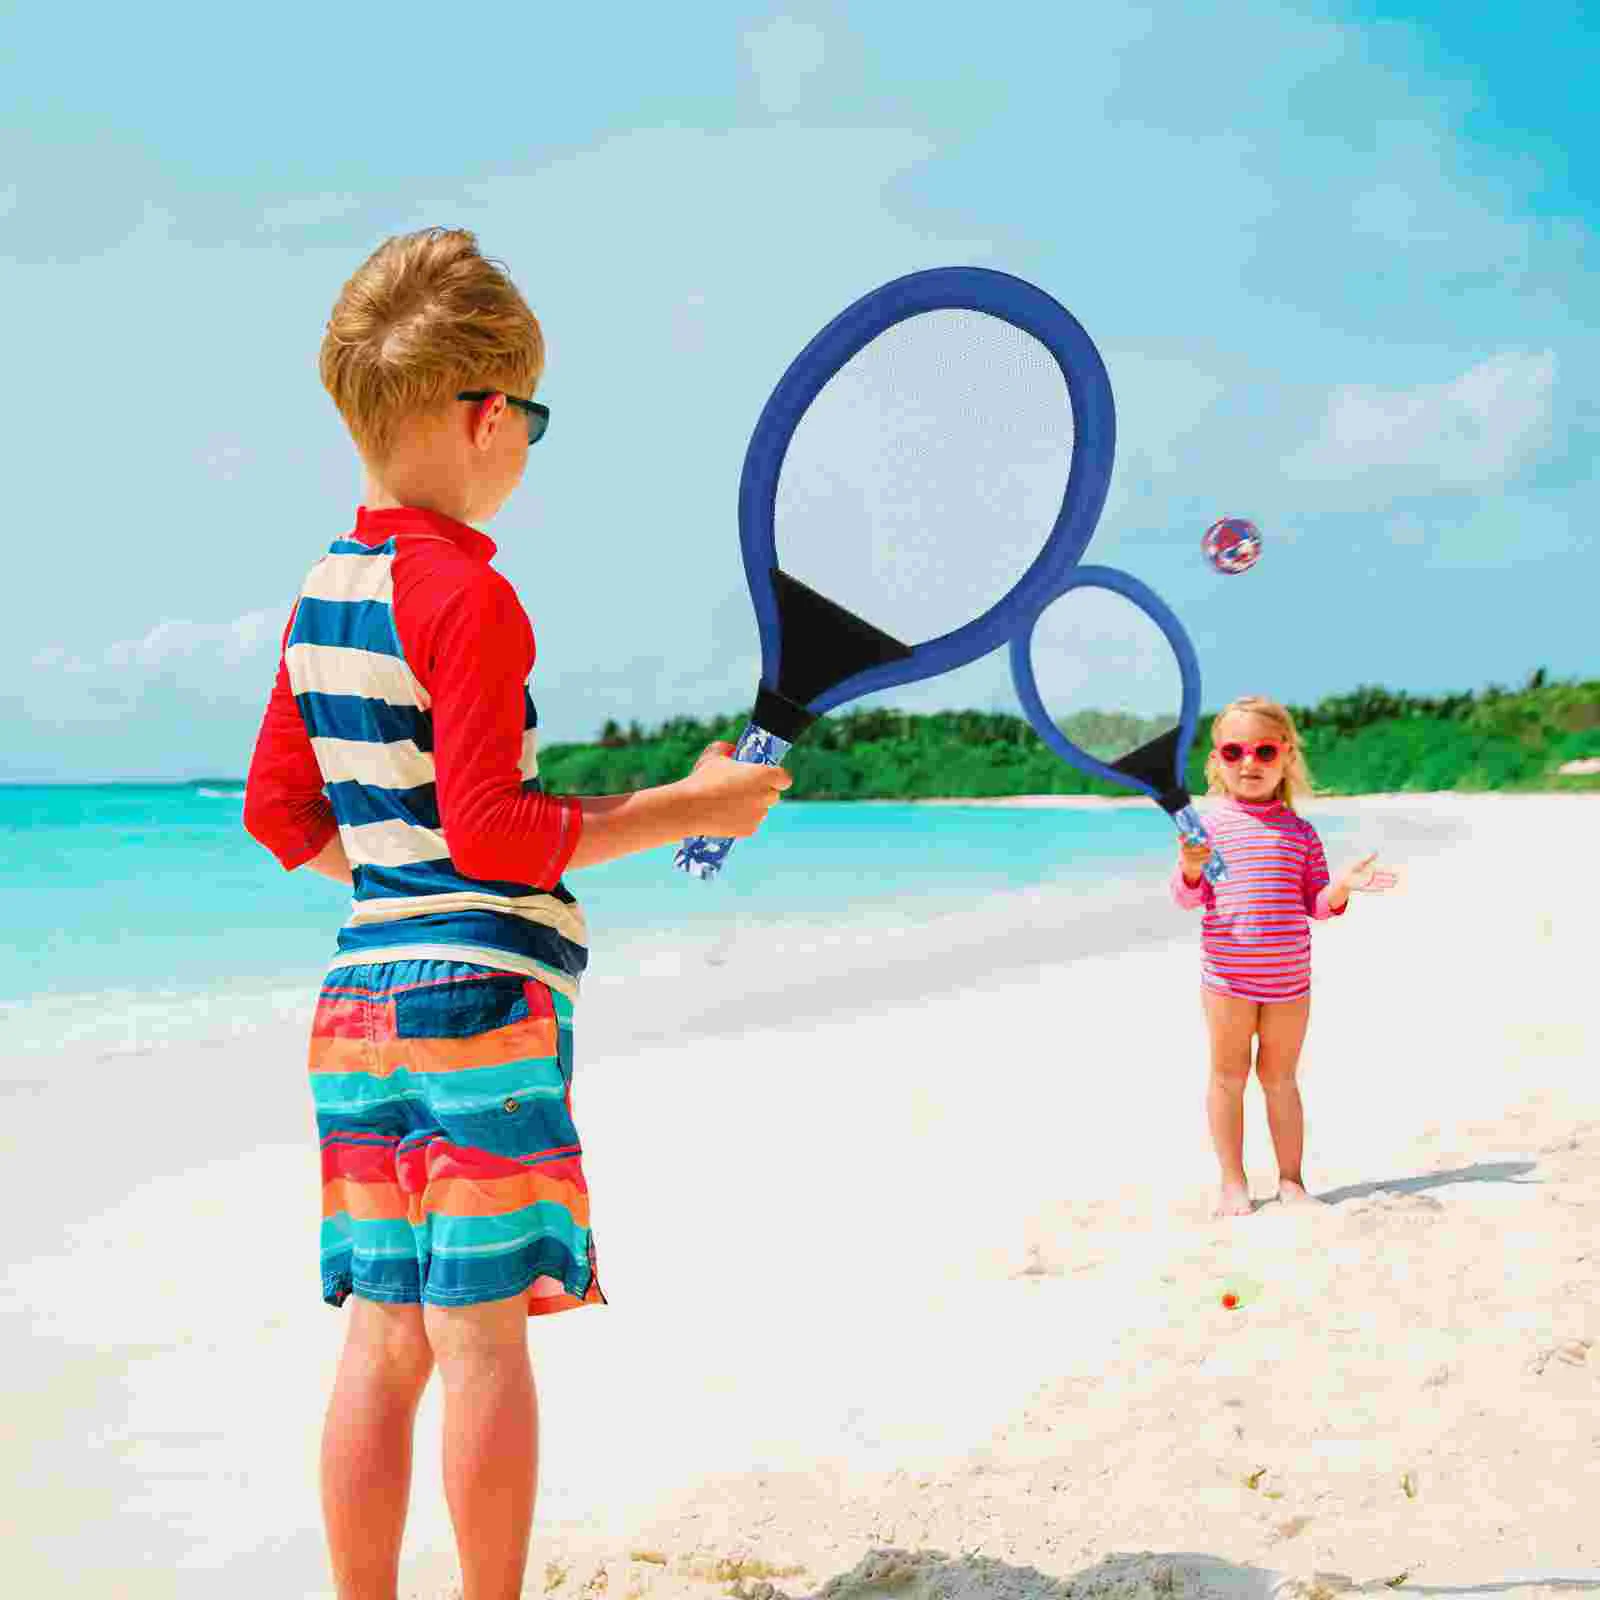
[(701, 857), (1194, 832)]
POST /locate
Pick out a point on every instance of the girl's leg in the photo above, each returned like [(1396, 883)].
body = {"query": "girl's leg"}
[(1283, 1032), (491, 1440), (366, 1446), (1230, 1026)]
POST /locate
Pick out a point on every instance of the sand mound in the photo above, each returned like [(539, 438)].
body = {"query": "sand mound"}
[(932, 1575)]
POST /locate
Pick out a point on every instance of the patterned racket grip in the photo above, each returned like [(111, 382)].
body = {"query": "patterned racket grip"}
[(703, 858), (1194, 832)]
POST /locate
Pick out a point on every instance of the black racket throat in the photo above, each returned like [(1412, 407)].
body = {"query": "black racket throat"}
[(822, 645), (1155, 763)]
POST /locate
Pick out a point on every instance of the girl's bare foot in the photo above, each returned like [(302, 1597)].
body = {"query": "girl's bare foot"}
[(1233, 1201), (1294, 1194)]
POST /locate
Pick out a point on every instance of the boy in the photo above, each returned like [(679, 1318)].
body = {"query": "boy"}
[(398, 753)]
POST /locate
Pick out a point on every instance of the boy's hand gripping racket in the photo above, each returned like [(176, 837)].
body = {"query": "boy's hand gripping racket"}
[(1155, 769), (904, 472)]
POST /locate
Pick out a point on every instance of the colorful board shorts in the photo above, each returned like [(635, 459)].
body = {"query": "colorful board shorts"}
[(451, 1168)]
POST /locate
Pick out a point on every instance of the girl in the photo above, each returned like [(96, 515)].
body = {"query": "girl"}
[(1256, 969)]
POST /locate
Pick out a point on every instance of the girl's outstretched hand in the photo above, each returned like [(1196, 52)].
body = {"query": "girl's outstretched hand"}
[(1367, 877)]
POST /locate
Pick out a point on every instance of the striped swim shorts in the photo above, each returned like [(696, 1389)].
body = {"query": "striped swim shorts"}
[(451, 1168)]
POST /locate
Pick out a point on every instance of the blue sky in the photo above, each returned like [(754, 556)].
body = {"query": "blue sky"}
[(1340, 260)]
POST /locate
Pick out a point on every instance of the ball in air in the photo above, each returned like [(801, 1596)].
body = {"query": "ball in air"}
[(1232, 545)]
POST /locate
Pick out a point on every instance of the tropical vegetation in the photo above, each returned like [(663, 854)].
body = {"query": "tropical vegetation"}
[(1372, 740)]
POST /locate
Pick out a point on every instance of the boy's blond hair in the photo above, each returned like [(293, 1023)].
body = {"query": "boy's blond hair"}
[(423, 317), (1296, 783)]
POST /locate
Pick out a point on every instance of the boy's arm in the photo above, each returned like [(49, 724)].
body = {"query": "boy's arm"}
[(284, 806), (478, 651), (474, 653), (332, 862), (621, 824)]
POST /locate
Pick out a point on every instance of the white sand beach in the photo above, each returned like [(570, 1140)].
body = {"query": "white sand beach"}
[(913, 1285)]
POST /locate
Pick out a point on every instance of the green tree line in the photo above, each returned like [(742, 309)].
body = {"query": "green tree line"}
[(1372, 740)]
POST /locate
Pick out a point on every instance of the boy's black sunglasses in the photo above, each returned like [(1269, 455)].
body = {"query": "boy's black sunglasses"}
[(538, 415)]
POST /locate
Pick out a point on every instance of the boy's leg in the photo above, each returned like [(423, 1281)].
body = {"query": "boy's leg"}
[(1230, 1026), (1283, 1032), (366, 1445), (491, 1439)]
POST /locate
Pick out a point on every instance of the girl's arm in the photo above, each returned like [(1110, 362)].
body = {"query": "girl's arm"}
[(1322, 898), (1188, 881)]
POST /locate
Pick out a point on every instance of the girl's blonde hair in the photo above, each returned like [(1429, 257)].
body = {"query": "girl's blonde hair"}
[(1296, 782), (423, 317)]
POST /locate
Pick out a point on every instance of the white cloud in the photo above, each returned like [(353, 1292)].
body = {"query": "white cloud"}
[(228, 644), (784, 56), (1480, 428), (205, 682)]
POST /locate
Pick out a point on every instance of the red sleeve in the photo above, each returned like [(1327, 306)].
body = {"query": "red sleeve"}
[(471, 647), (1317, 885), (284, 806)]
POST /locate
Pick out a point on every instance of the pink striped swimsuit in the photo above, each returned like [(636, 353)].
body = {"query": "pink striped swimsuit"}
[(1255, 938)]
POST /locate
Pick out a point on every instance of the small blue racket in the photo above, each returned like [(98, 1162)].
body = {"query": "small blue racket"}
[(901, 484), (1155, 769)]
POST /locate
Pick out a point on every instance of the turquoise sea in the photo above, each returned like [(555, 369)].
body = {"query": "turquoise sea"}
[(126, 898)]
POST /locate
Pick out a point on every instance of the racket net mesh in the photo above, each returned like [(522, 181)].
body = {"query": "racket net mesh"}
[(1105, 672), (927, 474)]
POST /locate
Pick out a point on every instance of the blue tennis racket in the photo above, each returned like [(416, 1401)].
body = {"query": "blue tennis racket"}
[(937, 458), (1155, 768)]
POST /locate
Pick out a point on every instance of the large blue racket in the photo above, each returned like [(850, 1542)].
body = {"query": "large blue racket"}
[(951, 417), (1155, 768)]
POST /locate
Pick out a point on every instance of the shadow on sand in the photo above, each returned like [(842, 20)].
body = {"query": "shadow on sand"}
[(1482, 1172)]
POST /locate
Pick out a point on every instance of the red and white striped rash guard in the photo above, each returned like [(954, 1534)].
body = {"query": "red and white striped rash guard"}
[(1255, 935)]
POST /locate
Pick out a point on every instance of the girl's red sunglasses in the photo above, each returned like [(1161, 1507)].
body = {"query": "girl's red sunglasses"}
[(1266, 752)]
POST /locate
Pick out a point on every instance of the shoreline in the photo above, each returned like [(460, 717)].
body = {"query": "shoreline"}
[(757, 967)]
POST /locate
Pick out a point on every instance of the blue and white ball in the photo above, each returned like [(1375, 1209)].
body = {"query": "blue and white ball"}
[(1232, 545)]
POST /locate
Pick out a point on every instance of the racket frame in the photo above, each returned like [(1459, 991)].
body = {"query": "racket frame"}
[(1173, 797), (978, 289)]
